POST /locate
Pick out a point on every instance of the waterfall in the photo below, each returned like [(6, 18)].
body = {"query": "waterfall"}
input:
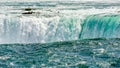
[(32, 29), (101, 26)]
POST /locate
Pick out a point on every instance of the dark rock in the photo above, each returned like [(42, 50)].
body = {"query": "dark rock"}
[(28, 9), (28, 12)]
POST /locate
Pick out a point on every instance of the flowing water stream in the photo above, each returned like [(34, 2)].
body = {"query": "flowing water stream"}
[(59, 34)]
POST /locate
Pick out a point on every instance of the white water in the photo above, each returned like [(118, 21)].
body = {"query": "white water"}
[(35, 30), (48, 24)]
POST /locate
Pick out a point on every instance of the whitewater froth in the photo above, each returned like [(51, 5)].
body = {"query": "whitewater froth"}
[(38, 30)]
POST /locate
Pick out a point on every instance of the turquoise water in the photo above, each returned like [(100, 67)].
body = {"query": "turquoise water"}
[(97, 26), (59, 34), (92, 53)]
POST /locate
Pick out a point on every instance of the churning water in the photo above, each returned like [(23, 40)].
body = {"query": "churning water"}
[(60, 34)]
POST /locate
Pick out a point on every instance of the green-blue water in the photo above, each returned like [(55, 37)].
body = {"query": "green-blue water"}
[(97, 44), (59, 34), (92, 53), (101, 26)]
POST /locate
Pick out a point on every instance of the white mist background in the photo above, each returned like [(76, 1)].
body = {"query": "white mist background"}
[(58, 0)]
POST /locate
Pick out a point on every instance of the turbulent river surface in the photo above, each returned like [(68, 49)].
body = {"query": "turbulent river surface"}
[(60, 34), (92, 53)]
